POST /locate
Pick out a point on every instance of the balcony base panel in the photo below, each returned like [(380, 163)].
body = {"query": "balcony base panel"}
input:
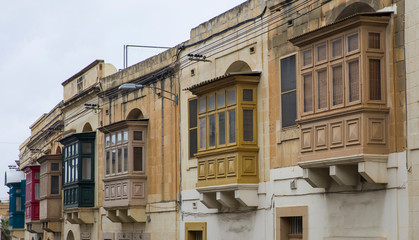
[(231, 196)]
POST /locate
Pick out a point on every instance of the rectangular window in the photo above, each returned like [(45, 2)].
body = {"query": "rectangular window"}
[(374, 40), (248, 95), (308, 92), (231, 94), (55, 167), (248, 125), (202, 132), (86, 148), (307, 58), (353, 78), (221, 99), (337, 82), (125, 136), (108, 162), (138, 135), (107, 141), (296, 226), (55, 186), (18, 204), (375, 79), (211, 102), (337, 48), (80, 84), (352, 43), (193, 128), (87, 169), (37, 189), (113, 139), (119, 138), (211, 130), (119, 160), (221, 128), (125, 159), (138, 159), (321, 53), (232, 126), (113, 165), (288, 91), (322, 89), (202, 105)]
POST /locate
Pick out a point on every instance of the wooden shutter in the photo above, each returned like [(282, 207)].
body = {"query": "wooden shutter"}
[(248, 125), (337, 48), (321, 53), (375, 79), (193, 127), (353, 42)]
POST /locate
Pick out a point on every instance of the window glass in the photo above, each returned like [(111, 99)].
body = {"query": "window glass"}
[(87, 169), (76, 169), (288, 91), (138, 159), (119, 160), (125, 159), (337, 82), (248, 125), (37, 175), (307, 58), (202, 132), (321, 53), (76, 149), (119, 137), (55, 167), (18, 204), (37, 191), (374, 40), (231, 94), (308, 92), (221, 99), (353, 77), (108, 141), (352, 43), (202, 105), (108, 164), (322, 89), (125, 136), (87, 148), (337, 48), (193, 128), (113, 167), (221, 128), (55, 185), (232, 126), (248, 95), (138, 135), (211, 102), (375, 79), (113, 139), (211, 130)]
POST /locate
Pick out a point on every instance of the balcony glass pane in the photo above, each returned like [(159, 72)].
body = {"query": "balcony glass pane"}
[(113, 165), (138, 135), (76, 169), (107, 162), (119, 137), (126, 136), (375, 79), (125, 159), (321, 53), (322, 89), (119, 160), (55, 185), (211, 130), (221, 128), (87, 148), (352, 42), (248, 125), (202, 104), (202, 132), (232, 126), (107, 141), (308, 92), (211, 102), (87, 169), (353, 77), (221, 99), (138, 159), (37, 191), (337, 81), (307, 58), (231, 94), (337, 48)]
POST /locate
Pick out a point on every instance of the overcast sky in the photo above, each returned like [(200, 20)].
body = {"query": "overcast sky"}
[(44, 42)]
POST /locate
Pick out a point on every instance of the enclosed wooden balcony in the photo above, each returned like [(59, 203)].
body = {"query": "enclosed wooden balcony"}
[(344, 115), (223, 119)]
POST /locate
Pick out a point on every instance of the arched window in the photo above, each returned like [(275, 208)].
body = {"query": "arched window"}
[(70, 235), (58, 150)]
